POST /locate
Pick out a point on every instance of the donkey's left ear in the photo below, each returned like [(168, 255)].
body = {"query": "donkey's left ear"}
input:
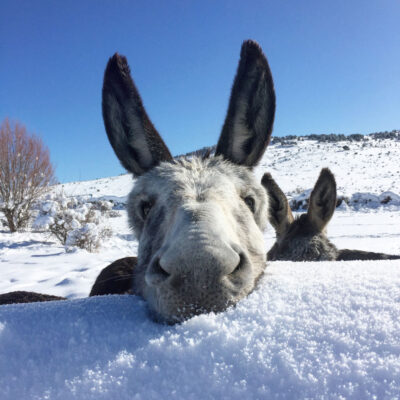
[(248, 124)]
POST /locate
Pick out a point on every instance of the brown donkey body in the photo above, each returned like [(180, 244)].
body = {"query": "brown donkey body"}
[(116, 278)]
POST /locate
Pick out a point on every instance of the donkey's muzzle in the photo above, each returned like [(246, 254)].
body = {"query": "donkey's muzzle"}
[(202, 269)]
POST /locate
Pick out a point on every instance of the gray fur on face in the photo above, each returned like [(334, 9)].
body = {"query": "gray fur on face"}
[(198, 218)]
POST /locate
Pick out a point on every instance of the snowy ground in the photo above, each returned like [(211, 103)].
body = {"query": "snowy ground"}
[(315, 330), (310, 330)]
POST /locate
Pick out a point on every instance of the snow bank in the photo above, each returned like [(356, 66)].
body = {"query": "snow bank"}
[(310, 330)]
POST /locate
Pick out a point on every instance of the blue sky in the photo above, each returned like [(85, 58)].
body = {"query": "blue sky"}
[(336, 67)]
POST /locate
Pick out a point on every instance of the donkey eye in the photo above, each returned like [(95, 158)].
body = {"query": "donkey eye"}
[(145, 207), (250, 203)]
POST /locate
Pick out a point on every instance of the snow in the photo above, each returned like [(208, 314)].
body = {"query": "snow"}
[(326, 330), (311, 330)]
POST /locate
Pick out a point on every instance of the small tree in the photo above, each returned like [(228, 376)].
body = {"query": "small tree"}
[(25, 173)]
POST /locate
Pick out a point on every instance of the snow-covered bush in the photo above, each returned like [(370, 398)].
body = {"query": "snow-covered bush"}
[(374, 201), (89, 236), (73, 221), (105, 207), (114, 214), (300, 201), (102, 205)]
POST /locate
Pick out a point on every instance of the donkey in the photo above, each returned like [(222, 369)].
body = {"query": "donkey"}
[(199, 221), (304, 238)]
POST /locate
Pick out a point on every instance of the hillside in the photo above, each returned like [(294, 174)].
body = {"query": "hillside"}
[(370, 165)]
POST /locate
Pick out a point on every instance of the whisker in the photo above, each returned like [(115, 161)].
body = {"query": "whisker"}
[(119, 278)]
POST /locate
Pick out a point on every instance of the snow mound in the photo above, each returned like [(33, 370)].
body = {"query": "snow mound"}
[(310, 330)]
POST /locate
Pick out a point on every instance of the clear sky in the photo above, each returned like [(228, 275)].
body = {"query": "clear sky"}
[(336, 67)]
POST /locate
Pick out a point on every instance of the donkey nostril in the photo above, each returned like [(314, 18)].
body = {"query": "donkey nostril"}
[(155, 275), (158, 269), (241, 265)]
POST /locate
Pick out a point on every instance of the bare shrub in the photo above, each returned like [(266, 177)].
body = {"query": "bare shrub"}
[(25, 173)]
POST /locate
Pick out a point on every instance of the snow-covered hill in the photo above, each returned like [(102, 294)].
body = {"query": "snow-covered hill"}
[(310, 330), (369, 166), (372, 166)]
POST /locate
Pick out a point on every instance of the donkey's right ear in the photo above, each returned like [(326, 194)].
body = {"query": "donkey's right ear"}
[(322, 201), (280, 214), (133, 137)]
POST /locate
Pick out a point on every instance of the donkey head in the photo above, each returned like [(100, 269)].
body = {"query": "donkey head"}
[(199, 221), (303, 238)]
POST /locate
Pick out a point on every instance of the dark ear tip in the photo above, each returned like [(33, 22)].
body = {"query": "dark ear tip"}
[(326, 173), (252, 51), (251, 46), (119, 63), (118, 58), (267, 178)]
